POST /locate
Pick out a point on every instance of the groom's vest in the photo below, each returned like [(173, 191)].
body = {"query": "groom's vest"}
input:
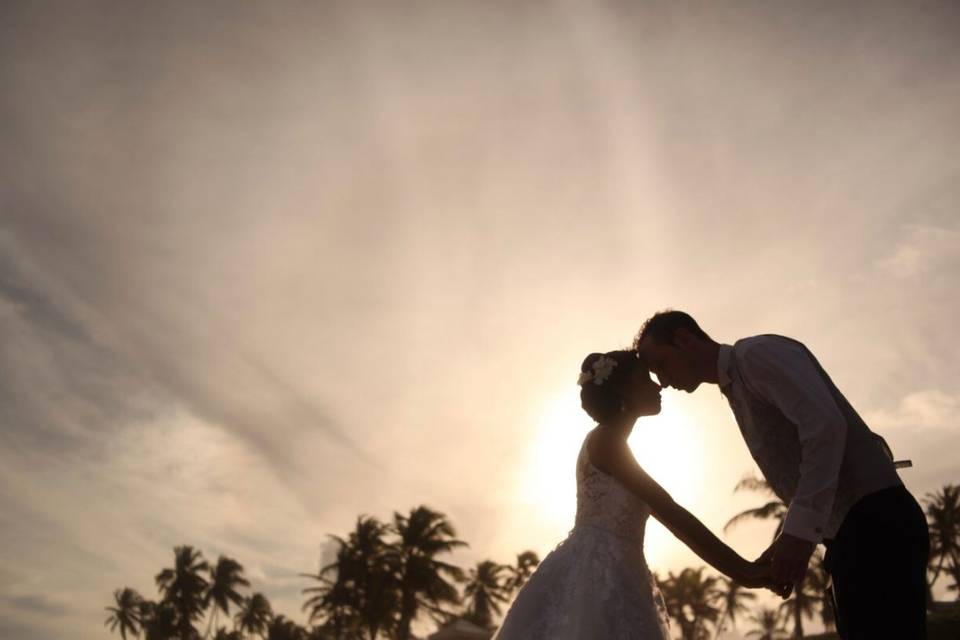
[(775, 445)]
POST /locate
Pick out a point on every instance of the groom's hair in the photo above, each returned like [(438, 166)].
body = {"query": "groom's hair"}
[(663, 324)]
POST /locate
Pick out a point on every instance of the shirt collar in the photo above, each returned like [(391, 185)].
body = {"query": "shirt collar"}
[(723, 365)]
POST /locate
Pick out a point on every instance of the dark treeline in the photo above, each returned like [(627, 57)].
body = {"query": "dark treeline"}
[(388, 575), (703, 606)]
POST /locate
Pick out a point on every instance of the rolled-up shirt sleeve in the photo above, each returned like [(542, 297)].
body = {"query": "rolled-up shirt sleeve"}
[(782, 373)]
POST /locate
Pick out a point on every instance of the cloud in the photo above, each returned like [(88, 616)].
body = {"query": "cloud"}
[(929, 409), (128, 431), (37, 603), (343, 275), (62, 387), (28, 630), (922, 251)]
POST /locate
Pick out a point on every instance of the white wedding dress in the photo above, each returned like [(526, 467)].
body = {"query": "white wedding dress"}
[(595, 585)]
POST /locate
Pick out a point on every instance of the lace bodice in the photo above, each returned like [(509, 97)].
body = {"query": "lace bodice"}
[(595, 583), (605, 503)]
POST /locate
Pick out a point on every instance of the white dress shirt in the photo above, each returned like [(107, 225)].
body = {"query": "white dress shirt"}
[(813, 448)]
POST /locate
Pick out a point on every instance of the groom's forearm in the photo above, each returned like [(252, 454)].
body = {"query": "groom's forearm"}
[(822, 448)]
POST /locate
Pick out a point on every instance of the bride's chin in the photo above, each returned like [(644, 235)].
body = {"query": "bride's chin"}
[(651, 411)]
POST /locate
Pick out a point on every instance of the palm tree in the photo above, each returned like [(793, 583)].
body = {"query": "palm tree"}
[(803, 603), (329, 631), (282, 629), (225, 576), (364, 592), (770, 622), (732, 598), (818, 581), (183, 586), (126, 614), (522, 570), (943, 518), (485, 591), (325, 632), (955, 576), (223, 634), (774, 509), (158, 620), (335, 603), (423, 535), (254, 615), (691, 600)]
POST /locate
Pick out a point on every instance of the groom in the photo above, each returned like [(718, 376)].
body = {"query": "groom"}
[(821, 459)]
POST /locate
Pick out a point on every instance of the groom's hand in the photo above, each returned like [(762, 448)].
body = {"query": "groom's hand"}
[(767, 556), (758, 576), (762, 576), (791, 555), (783, 589)]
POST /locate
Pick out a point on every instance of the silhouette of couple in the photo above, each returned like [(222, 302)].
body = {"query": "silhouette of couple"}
[(819, 457)]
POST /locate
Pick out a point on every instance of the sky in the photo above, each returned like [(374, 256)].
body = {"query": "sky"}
[(266, 267)]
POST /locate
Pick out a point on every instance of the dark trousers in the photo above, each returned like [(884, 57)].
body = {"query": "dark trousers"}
[(878, 564)]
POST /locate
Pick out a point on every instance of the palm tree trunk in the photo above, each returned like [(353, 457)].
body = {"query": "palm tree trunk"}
[(722, 621), (936, 573), (407, 609), (213, 617), (798, 616)]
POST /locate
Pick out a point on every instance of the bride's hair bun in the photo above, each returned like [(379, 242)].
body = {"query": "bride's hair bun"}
[(602, 402)]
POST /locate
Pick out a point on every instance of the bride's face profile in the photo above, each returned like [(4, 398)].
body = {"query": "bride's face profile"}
[(642, 393)]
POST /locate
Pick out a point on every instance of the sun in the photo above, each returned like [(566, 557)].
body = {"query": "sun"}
[(665, 446), (551, 484), (668, 448)]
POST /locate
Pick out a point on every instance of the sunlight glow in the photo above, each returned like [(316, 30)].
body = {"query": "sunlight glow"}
[(549, 487), (666, 447)]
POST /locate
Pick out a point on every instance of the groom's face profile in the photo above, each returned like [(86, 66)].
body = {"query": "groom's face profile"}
[(673, 363)]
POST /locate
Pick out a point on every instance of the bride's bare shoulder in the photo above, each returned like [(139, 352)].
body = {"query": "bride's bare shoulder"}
[(604, 448)]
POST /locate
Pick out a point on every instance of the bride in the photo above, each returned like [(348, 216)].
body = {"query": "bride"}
[(595, 584)]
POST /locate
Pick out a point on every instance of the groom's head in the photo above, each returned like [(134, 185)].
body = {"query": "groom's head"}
[(676, 350)]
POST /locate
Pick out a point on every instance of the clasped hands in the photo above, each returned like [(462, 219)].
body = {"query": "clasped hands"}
[(782, 566)]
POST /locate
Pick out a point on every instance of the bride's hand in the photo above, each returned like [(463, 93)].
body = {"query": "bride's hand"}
[(757, 575)]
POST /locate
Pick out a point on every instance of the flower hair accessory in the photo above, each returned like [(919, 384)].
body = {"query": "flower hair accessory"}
[(602, 368)]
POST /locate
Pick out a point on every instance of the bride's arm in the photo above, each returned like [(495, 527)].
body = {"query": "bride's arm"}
[(610, 454)]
